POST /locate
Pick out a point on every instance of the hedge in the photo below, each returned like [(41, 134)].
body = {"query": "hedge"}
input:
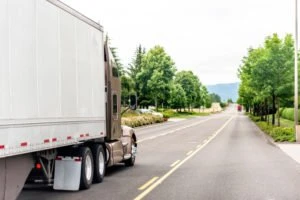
[(135, 121), (288, 113)]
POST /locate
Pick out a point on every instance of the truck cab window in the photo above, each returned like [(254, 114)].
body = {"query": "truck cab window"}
[(115, 104), (115, 72)]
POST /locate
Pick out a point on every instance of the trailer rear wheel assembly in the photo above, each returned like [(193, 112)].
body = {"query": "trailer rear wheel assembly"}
[(87, 167), (99, 161)]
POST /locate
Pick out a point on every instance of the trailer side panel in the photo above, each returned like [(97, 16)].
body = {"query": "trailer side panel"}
[(51, 78)]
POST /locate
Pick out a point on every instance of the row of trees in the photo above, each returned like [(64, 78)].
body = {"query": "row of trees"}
[(152, 75), (266, 77)]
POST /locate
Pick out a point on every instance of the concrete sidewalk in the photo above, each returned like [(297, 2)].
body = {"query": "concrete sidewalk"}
[(292, 150)]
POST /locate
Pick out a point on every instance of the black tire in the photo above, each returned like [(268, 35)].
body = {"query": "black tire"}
[(87, 167), (99, 162), (130, 162)]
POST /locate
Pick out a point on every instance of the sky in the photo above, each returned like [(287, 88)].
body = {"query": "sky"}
[(208, 37)]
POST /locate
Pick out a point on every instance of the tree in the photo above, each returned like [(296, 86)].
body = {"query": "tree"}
[(116, 58), (215, 98), (178, 97), (191, 85), (135, 67), (157, 72), (136, 64), (266, 75), (127, 89), (206, 101)]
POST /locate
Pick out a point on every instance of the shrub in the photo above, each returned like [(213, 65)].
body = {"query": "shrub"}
[(223, 105), (279, 134), (169, 113), (281, 110), (141, 120), (288, 113)]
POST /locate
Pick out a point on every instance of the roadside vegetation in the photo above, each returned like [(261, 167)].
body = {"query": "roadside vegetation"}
[(266, 86), (173, 114), (141, 120), (135, 119), (266, 77), (279, 134), (153, 77)]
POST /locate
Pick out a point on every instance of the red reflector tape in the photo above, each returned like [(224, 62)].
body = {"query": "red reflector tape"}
[(54, 139), (58, 158), (77, 159), (46, 141), (2, 147), (23, 144), (69, 138)]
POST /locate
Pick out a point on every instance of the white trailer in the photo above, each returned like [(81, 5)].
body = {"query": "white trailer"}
[(59, 99)]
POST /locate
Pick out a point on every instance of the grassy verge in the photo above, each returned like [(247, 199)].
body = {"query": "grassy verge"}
[(285, 133)]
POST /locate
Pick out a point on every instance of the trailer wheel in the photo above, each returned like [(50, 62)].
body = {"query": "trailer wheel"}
[(131, 160), (99, 161), (87, 167)]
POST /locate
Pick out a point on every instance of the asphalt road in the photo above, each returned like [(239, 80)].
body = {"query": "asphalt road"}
[(222, 156)]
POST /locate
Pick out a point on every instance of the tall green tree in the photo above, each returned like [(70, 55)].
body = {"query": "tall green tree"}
[(267, 75), (178, 97), (135, 67), (215, 98), (191, 85), (157, 72), (127, 85)]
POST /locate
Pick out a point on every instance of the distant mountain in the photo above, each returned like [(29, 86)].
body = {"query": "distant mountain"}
[(225, 91)]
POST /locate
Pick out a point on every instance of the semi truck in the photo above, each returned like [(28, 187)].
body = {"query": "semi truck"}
[(60, 121)]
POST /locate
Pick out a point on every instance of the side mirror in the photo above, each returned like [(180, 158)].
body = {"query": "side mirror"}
[(133, 102)]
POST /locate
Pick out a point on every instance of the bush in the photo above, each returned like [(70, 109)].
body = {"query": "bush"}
[(279, 134), (223, 105), (141, 120), (281, 110), (169, 113), (288, 113)]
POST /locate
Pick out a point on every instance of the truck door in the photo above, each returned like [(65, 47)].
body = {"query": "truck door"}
[(113, 91)]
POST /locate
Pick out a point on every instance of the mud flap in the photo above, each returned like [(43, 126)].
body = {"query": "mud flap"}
[(13, 174), (67, 173)]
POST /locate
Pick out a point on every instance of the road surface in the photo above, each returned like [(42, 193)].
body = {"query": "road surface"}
[(222, 156)]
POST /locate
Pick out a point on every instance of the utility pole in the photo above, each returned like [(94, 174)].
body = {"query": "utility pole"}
[(296, 70)]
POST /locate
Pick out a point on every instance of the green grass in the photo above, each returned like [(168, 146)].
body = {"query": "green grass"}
[(287, 123), (283, 122), (284, 133)]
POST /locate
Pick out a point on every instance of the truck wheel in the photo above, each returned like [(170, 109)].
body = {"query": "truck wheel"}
[(131, 160), (99, 161), (87, 167)]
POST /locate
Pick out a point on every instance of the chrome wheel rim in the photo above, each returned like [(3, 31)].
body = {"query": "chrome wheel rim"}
[(88, 167), (101, 163)]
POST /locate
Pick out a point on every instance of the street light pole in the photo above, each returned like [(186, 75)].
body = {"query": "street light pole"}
[(296, 70)]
